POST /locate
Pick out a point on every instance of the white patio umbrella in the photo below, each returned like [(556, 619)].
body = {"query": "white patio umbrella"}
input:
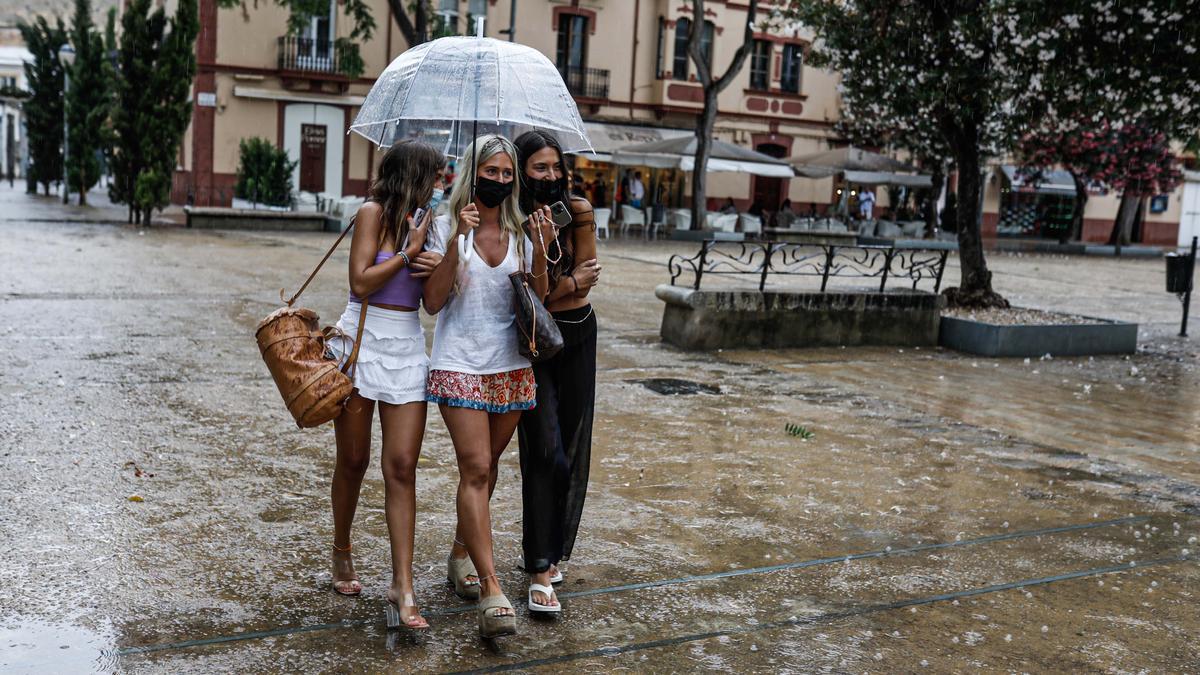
[(448, 91), (680, 153)]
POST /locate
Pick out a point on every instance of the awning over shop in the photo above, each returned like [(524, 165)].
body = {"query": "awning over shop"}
[(607, 138), (849, 158), (679, 153), (887, 178), (1053, 182)]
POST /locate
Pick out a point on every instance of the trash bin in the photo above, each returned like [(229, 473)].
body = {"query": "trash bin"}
[(1179, 273)]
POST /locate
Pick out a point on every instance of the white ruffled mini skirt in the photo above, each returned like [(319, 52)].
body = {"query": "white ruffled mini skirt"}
[(392, 365)]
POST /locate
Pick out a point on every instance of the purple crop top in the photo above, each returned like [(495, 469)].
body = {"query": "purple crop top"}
[(401, 290)]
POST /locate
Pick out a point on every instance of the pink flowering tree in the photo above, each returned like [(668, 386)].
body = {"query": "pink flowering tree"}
[(1134, 160)]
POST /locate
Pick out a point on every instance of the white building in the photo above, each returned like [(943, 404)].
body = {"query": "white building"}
[(13, 146)]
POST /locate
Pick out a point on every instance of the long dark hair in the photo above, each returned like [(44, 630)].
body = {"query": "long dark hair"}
[(528, 144), (407, 173)]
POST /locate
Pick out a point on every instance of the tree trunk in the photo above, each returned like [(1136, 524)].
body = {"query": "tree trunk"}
[(975, 286), (1075, 233), (704, 131), (1124, 221)]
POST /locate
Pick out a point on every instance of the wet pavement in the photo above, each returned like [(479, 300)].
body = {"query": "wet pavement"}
[(949, 513)]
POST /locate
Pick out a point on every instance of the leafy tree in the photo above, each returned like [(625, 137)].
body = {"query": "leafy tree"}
[(133, 100), (171, 82), (940, 76), (1105, 83), (264, 172), (86, 95), (713, 86), (152, 107), (44, 109)]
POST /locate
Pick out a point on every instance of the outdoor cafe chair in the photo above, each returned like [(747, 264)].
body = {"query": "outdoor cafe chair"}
[(725, 222), (750, 224), (913, 229), (602, 217), (631, 216), (679, 219)]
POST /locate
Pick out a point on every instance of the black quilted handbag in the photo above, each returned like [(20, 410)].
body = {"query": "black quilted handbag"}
[(538, 336)]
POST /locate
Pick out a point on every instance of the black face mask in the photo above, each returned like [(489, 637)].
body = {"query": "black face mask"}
[(546, 191), (492, 192)]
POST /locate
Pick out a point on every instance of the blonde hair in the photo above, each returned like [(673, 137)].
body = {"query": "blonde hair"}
[(460, 194)]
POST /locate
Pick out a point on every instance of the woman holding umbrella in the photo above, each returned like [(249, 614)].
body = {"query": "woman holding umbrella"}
[(478, 377), (556, 436)]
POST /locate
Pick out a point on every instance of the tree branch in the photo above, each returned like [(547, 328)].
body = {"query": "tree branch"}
[(406, 26)]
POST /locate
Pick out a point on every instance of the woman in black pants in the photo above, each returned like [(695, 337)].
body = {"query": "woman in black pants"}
[(556, 436)]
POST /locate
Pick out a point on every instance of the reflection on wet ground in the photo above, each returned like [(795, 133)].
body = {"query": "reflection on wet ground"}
[(948, 512)]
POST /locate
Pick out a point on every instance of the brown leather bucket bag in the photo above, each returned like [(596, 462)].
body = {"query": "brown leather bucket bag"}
[(314, 389)]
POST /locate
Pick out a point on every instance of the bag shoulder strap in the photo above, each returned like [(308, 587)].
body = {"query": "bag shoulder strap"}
[(320, 264)]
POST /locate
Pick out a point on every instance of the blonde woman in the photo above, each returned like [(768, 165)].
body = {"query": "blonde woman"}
[(477, 376)]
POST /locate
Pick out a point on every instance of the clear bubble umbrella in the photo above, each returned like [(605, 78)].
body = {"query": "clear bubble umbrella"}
[(448, 91)]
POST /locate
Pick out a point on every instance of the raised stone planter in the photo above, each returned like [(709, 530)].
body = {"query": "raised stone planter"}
[(216, 218), (726, 319), (985, 339)]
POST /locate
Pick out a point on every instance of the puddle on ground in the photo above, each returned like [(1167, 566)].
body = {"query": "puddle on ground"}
[(37, 647), (669, 386)]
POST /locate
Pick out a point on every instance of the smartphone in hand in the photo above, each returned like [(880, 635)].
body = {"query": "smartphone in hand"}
[(560, 214)]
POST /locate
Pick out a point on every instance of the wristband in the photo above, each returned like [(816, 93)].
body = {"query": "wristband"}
[(404, 256), (576, 283)]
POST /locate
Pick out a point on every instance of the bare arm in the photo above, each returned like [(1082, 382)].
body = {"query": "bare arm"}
[(588, 273), (365, 276)]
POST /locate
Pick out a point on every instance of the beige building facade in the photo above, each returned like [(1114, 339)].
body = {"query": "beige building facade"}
[(626, 63), (623, 60)]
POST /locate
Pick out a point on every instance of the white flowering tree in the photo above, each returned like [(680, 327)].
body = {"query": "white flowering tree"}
[(1115, 76), (939, 77)]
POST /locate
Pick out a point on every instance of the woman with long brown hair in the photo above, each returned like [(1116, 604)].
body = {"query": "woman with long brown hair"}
[(388, 266), (556, 436)]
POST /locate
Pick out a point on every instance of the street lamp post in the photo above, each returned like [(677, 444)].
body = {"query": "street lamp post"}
[(66, 57)]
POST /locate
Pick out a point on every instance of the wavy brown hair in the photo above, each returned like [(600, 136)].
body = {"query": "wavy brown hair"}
[(407, 173)]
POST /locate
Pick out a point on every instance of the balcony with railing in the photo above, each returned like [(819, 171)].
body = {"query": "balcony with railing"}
[(589, 83), (309, 56)]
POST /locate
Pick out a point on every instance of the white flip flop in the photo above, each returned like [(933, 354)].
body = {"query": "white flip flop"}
[(558, 573), (539, 607)]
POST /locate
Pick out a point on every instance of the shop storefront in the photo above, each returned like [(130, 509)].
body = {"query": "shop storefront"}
[(1039, 209), (603, 179)]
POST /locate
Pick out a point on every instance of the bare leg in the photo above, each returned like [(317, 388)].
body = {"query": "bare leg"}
[(501, 427), (472, 446), (403, 431), (352, 432)]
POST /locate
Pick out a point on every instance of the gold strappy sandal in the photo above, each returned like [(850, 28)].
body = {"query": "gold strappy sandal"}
[(351, 586)]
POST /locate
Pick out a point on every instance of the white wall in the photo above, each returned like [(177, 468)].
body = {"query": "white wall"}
[(334, 120), (1189, 222)]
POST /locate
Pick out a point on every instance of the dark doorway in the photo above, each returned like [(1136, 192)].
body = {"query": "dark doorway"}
[(312, 158), (769, 192)]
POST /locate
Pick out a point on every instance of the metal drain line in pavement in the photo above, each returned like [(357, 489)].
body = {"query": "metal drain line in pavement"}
[(878, 553), (826, 617)]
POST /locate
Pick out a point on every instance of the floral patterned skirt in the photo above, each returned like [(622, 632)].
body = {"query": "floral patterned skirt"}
[(496, 393)]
